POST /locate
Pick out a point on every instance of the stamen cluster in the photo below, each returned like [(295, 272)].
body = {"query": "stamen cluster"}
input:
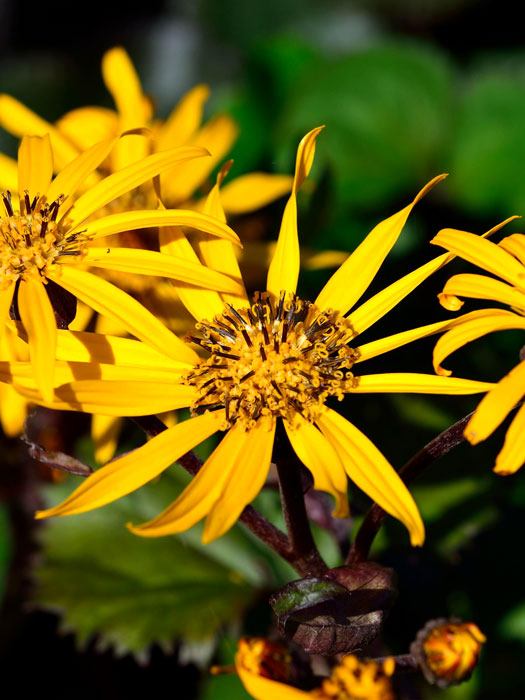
[(31, 238), (353, 679), (274, 358)]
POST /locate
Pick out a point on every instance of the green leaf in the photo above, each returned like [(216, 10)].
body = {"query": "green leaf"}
[(132, 592), (513, 624), (489, 145), (385, 110)]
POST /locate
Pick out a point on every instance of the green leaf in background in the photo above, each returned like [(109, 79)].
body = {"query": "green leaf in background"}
[(5, 549), (489, 145), (513, 624), (385, 109), (132, 592)]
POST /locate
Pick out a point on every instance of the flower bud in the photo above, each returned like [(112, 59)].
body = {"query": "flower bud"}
[(447, 650)]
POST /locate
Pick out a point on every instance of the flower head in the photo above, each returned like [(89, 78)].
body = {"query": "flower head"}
[(46, 236), (448, 651), (505, 261), (265, 669), (276, 358)]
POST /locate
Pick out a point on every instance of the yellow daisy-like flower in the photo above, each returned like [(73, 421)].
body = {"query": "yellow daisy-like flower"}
[(277, 357), (264, 668), (505, 261), (46, 239), (78, 130)]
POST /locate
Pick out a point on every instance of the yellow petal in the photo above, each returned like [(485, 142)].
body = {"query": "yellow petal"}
[(254, 191), (74, 175), (149, 262), (314, 260), (133, 107), (201, 303), (128, 178), (6, 299), (39, 322), (133, 470), (199, 497), (478, 324), (35, 165), (81, 346), (217, 137), (348, 283), (132, 220), (8, 173), (218, 254), (184, 120), (108, 300), (512, 456), (391, 342), (484, 253), (104, 433), (320, 457), (371, 472), (481, 287), (283, 272), (515, 245), (13, 411), (86, 126), (82, 319), (415, 383), (262, 688), (381, 303), (246, 479), (495, 406), (20, 121)]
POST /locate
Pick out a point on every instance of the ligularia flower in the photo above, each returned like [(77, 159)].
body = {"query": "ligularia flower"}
[(506, 261), (275, 357)]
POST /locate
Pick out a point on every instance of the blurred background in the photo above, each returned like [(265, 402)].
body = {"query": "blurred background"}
[(407, 89)]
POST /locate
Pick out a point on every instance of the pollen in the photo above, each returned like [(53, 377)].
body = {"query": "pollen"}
[(354, 678), (275, 358), (33, 236)]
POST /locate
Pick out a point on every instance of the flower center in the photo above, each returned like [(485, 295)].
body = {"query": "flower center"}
[(31, 238), (274, 358), (354, 679)]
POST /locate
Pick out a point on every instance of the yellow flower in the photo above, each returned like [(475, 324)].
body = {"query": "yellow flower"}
[(448, 651), (80, 129), (46, 235), (264, 667), (506, 261), (276, 358)]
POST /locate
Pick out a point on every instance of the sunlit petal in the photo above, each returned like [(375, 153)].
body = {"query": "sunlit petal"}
[(184, 120), (254, 191), (480, 287), (35, 165), (414, 383), (104, 433), (512, 456)]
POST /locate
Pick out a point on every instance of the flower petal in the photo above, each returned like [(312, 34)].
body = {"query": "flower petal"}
[(480, 287), (496, 405), (132, 220), (184, 120), (128, 178), (8, 173), (13, 411), (18, 120), (201, 303), (86, 126), (254, 191), (348, 283), (512, 456), (371, 472), (391, 342), (246, 479), (320, 457), (478, 324), (283, 272), (108, 300), (131, 471), (217, 137), (149, 262), (415, 383), (380, 304), (199, 497), (104, 433), (484, 253), (35, 165), (515, 245), (6, 299), (70, 178), (262, 688), (39, 322)]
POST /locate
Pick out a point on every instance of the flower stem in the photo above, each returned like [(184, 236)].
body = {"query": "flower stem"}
[(306, 557), (436, 448)]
